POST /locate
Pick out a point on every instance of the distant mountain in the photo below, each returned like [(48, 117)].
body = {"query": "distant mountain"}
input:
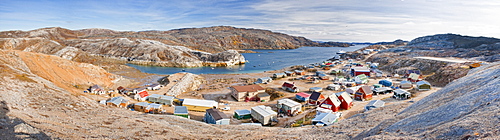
[(188, 47)]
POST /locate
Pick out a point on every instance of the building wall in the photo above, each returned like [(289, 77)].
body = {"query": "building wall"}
[(197, 108)]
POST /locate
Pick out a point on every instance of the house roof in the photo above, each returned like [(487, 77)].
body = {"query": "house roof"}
[(248, 88), (288, 102), (117, 100), (353, 89), (382, 89), (263, 110), (335, 100), (376, 103), (326, 118), (288, 72), (145, 104), (216, 114), (422, 83), (155, 106), (154, 85), (198, 102), (288, 85), (401, 91), (143, 94), (347, 98), (316, 88), (260, 95), (303, 94), (242, 112), (180, 110), (279, 74), (405, 82), (414, 76), (366, 89), (315, 96), (94, 87), (155, 96), (266, 78), (360, 69)]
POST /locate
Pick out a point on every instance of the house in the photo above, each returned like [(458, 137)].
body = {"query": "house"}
[(289, 73), (319, 73), (214, 116), (279, 75), (332, 103), (199, 105), (96, 89), (138, 90), (352, 90), (325, 119), (320, 110), (302, 96), (290, 87), (345, 100), (408, 72), (117, 102), (349, 84), (141, 96), (246, 93), (386, 82), (289, 107), (323, 76), (120, 89), (363, 93), (361, 79), (413, 77), (263, 80), (374, 104), (316, 98), (263, 97), (355, 71), (316, 89), (405, 84), (181, 111), (423, 85), (401, 94), (299, 72), (382, 90), (154, 87), (161, 99), (148, 108), (242, 114), (263, 114), (333, 87)]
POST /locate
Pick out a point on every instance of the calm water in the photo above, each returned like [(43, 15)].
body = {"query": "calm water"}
[(266, 60)]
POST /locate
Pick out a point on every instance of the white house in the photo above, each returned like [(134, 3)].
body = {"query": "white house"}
[(263, 114), (324, 119), (289, 106)]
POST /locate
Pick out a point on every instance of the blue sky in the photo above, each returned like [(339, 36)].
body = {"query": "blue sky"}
[(321, 20)]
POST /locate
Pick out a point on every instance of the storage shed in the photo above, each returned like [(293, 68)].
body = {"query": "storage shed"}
[(386, 82), (199, 105), (242, 114), (423, 85), (181, 111), (265, 115), (406, 84)]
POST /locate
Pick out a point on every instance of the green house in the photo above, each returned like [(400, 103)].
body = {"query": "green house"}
[(181, 111), (242, 114)]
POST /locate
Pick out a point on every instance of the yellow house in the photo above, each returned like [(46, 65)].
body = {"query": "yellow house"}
[(199, 105)]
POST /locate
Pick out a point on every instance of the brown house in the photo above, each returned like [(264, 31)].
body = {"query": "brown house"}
[(363, 93), (246, 93)]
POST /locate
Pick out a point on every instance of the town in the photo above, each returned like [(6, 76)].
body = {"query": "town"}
[(311, 95)]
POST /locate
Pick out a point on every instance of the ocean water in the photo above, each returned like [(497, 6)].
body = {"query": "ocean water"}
[(265, 60)]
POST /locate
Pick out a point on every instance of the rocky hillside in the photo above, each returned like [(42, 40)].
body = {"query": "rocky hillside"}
[(467, 108), (398, 59), (192, 47)]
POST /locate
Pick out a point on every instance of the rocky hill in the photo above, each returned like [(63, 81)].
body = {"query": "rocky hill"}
[(398, 59), (191, 47)]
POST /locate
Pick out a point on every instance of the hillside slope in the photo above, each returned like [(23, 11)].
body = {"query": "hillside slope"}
[(465, 108)]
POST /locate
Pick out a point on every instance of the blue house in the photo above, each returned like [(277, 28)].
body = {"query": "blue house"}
[(302, 96), (214, 116)]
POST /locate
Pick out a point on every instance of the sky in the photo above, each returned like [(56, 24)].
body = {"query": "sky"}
[(319, 20)]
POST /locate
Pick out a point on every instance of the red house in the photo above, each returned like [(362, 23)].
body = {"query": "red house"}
[(332, 103), (363, 93), (345, 100), (289, 87), (141, 96), (355, 71)]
